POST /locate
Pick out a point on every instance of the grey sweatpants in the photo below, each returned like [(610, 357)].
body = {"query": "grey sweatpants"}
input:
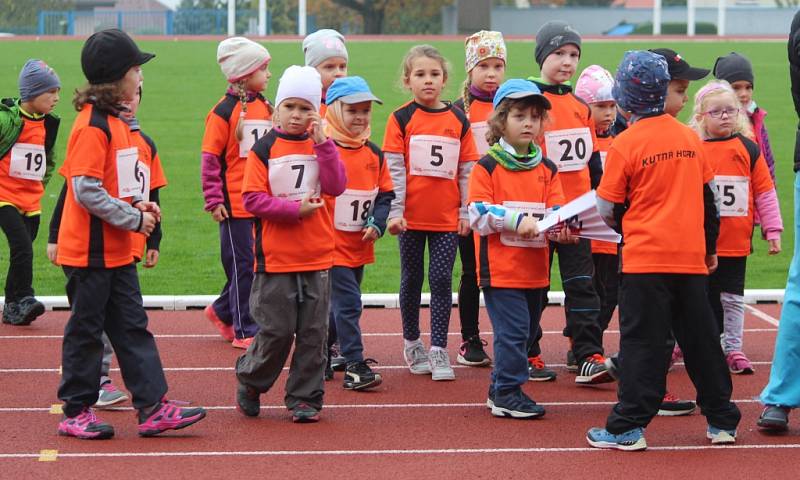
[(288, 308)]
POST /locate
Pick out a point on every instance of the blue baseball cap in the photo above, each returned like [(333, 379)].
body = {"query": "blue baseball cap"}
[(518, 88), (350, 90)]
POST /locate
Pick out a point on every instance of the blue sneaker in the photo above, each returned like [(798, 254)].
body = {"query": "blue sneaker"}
[(630, 441), (719, 436), (515, 404)]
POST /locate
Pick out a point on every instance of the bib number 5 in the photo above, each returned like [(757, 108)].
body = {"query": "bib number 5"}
[(734, 192), (433, 156)]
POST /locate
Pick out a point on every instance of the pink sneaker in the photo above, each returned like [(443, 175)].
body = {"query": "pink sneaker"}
[(85, 426), (168, 416), (677, 356), (224, 329), (243, 343), (738, 363)]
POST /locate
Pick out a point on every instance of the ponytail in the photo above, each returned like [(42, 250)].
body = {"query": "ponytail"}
[(240, 89), (466, 95)]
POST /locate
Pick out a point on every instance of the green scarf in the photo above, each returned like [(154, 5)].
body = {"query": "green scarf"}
[(516, 163)]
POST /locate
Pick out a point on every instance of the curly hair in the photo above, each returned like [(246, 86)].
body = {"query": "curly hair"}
[(497, 122), (105, 96)]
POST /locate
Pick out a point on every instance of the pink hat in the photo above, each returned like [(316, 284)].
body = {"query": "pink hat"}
[(594, 85)]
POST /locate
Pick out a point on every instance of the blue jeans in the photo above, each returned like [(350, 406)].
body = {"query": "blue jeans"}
[(346, 310)]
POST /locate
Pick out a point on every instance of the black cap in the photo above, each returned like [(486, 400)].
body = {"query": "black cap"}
[(108, 55), (679, 69), (733, 68)]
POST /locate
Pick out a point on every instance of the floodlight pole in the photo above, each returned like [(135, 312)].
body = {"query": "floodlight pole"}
[(721, 18), (231, 18), (690, 11), (301, 18), (262, 17), (656, 17)]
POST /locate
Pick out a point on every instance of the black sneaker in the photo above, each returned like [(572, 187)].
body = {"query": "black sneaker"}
[(515, 404), (572, 362), (10, 313), (358, 375), (305, 413), (593, 371), (538, 371), (774, 419), (338, 362), (248, 400), (28, 309), (328, 375), (672, 406), (472, 353)]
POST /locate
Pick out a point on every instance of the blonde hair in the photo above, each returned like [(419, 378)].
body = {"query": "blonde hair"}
[(423, 51), (712, 89), (497, 121)]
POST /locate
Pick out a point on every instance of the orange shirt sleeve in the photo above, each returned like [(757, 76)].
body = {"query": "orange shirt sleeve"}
[(555, 195), (469, 152), (256, 176), (480, 186), (760, 177), (157, 177), (215, 137), (393, 140), (708, 170), (88, 153), (614, 184)]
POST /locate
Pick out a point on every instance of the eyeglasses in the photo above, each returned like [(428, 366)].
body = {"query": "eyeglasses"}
[(730, 112)]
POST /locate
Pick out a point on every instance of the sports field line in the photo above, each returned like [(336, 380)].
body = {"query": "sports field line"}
[(763, 316)]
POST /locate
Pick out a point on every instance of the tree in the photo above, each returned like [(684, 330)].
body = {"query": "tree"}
[(372, 12), (21, 16)]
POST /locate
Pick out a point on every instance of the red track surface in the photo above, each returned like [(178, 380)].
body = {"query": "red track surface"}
[(410, 427)]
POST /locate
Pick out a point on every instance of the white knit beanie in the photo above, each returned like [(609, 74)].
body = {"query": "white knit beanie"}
[(322, 45), (239, 57), (300, 82)]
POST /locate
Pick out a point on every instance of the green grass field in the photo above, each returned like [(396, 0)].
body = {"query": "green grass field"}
[(184, 82)]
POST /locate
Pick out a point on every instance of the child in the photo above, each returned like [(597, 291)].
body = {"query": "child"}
[(658, 169), (486, 65), (235, 123), (569, 140), (101, 207), (28, 131), (359, 218), (744, 185), (430, 150), (510, 187), (286, 172)]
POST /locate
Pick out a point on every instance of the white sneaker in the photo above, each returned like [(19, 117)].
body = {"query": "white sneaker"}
[(417, 359), (440, 365)]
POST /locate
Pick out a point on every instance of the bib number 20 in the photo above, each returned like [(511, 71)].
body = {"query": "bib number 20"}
[(579, 148)]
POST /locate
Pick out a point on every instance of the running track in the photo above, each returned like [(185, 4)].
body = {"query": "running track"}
[(410, 427)]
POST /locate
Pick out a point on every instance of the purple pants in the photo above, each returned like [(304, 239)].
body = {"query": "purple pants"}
[(236, 247)]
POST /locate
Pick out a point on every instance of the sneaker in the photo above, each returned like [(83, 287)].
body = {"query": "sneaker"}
[(612, 366), (572, 362), (242, 343), (490, 398), (738, 363), (328, 375), (338, 362), (224, 329), (515, 404), (248, 400), (677, 356), (719, 436), (358, 375), (28, 310), (305, 413), (774, 418), (166, 415), (472, 353), (417, 359), (10, 313), (110, 395), (672, 406), (440, 365), (593, 371), (538, 371), (630, 441), (85, 426)]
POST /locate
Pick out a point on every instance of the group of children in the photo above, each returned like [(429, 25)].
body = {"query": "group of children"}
[(471, 176)]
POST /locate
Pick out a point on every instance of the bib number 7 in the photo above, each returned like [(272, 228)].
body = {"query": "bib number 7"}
[(292, 177)]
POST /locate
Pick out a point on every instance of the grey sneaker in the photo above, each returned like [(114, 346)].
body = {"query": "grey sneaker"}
[(110, 395), (440, 365), (417, 359)]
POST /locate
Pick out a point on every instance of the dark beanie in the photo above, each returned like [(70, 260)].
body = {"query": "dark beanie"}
[(108, 55), (35, 79), (733, 68), (552, 36)]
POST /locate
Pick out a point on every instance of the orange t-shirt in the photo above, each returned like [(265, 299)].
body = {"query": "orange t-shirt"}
[(658, 165), (738, 185), (432, 143), (99, 146), (599, 246), (479, 113), (367, 175), (219, 139), (152, 178), (502, 259), (22, 168), (283, 166)]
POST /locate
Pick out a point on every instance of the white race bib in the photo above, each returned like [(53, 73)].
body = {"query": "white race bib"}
[(128, 173), (434, 156), (479, 130), (533, 209), (291, 177), (353, 208), (603, 156), (734, 195), (143, 174), (569, 149), (253, 131), (27, 161)]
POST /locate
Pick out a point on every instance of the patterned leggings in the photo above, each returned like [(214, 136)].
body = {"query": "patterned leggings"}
[(442, 252)]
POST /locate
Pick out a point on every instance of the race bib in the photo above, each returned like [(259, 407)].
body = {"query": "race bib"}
[(569, 149), (293, 176), (434, 156), (27, 161), (533, 209), (253, 131), (734, 195), (128, 173), (603, 156), (479, 130), (353, 208), (143, 174)]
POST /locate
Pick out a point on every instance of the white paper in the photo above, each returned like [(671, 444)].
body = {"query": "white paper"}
[(583, 219)]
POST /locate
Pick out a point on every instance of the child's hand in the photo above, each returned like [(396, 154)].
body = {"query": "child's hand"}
[(52, 252), (309, 204), (219, 213), (711, 263), (148, 223), (150, 258), (315, 129), (151, 207), (463, 227), (397, 225), (370, 235), (774, 246), (562, 234), (528, 228)]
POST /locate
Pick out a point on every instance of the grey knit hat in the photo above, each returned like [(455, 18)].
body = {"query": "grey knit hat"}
[(733, 68), (552, 36), (322, 45), (35, 79)]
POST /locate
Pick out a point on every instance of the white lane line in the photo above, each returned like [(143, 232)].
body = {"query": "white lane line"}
[(763, 316)]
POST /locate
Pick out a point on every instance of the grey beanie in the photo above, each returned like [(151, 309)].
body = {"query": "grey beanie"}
[(733, 68), (552, 36), (322, 45), (35, 79)]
